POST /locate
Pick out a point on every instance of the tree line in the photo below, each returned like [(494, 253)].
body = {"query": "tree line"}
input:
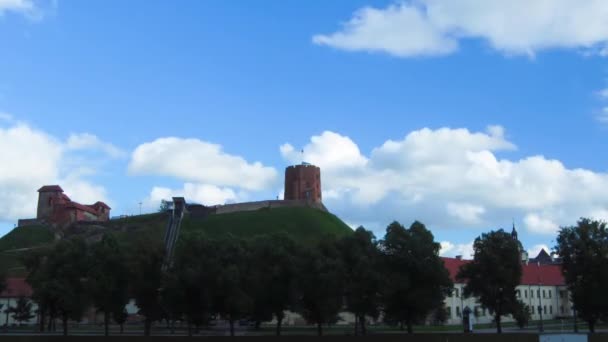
[(400, 278)]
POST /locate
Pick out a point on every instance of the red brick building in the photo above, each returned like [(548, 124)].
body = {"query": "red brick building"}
[(303, 182), (56, 207)]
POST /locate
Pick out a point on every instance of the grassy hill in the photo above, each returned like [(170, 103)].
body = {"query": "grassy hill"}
[(307, 225), (18, 239)]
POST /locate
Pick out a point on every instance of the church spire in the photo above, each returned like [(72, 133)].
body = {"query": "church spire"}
[(514, 231)]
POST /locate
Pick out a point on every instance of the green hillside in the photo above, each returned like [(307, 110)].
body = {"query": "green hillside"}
[(303, 224), (18, 239), (307, 225)]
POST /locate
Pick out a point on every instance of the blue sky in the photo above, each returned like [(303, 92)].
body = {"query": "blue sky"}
[(414, 110)]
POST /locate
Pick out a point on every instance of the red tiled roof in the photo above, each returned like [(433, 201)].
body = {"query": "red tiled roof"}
[(532, 274), (50, 188), (101, 204), (16, 287), (453, 265), (81, 207)]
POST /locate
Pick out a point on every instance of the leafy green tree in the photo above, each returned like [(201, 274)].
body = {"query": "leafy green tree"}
[(320, 284), (584, 252), (146, 279), (188, 289), (494, 273), (230, 296), (164, 206), (362, 279), (35, 262), (416, 280), (3, 283), (521, 314), (120, 317), (58, 280), (440, 315), (108, 278), (272, 277), (22, 312)]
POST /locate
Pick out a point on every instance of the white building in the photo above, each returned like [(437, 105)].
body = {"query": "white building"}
[(541, 285), (16, 287)]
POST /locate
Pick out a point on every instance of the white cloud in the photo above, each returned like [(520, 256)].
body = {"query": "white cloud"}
[(201, 162), (198, 193), (6, 117), (435, 27), (87, 141), (16, 5), (537, 223), (449, 249), (28, 8), (31, 158), (401, 30), (451, 178), (467, 213)]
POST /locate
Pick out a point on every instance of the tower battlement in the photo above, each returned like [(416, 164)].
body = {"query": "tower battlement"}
[(303, 182)]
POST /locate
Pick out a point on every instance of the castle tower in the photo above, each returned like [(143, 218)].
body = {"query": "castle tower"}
[(303, 182), (48, 197)]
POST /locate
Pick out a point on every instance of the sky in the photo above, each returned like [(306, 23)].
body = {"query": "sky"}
[(462, 114)]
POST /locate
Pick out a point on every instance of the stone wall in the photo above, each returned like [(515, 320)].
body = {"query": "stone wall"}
[(251, 206)]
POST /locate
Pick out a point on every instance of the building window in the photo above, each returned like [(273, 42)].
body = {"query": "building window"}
[(561, 309), (458, 311), (544, 295), (526, 293), (551, 309), (449, 311), (550, 293), (545, 309), (456, 293), (518, 293), (532, 307), (538, 293)]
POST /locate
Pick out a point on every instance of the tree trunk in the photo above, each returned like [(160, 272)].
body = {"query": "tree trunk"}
[(591, 326), (279, 322), (231, 327), (41, 323), (106, 323), (498, 323), (410, 328), (257, 325), (50, 326), (401, 325), (319, 329), (65, 325), (147, 326), (362, 324), (122, 328)]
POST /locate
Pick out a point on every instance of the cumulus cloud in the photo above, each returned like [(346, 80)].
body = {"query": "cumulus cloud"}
[(87, 141), (32, 158), (198, 161), (29, 8), (435, 27), (199, 193), (449, 249), (451, 178)]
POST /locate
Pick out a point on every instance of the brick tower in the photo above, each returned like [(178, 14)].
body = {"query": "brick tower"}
[(303, 182)]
